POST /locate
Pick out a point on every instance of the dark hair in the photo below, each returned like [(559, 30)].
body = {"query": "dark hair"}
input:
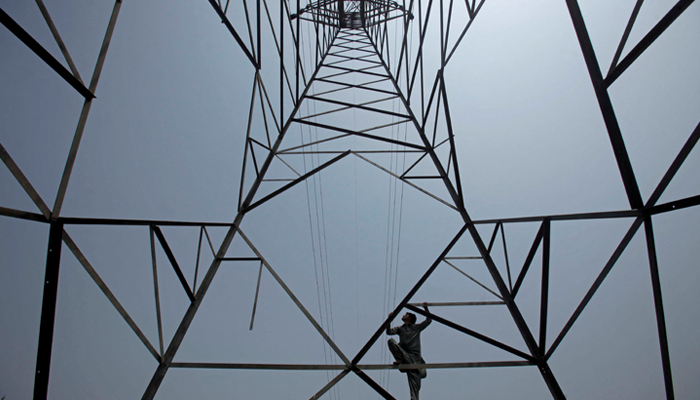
[(412, 316)]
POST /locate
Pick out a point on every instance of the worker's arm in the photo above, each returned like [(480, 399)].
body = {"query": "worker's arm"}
[(427, 321), (389, 329)]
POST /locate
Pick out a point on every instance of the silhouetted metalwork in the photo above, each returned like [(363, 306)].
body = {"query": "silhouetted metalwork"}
[(351, 39), (353, 14)]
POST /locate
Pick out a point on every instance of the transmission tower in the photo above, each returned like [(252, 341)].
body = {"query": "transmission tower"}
[(366, 81)]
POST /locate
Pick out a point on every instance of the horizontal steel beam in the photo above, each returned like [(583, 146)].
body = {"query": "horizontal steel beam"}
[(336, 367), (691, 201), (458, 303), (19, 214)]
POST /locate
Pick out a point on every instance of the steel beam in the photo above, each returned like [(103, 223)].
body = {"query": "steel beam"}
[(623, 162), (528, 260), (599, 281), (472, 333), (659, 308), (646, 41), (513, 309), (173, 262), (40, 51), (73, 152), (48, 312), (544, 298), (187, 319)]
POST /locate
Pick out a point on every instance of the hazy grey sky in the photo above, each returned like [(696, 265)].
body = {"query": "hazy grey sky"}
[(165, 140)]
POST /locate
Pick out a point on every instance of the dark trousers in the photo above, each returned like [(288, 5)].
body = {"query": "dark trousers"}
[(414, 375)]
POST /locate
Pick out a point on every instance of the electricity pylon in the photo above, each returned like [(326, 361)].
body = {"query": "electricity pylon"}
[(350, 57)]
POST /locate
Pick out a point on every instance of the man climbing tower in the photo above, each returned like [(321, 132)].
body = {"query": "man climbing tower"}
[(408, 350)]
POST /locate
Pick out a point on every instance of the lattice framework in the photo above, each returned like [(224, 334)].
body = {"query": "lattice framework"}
[(347, 46)]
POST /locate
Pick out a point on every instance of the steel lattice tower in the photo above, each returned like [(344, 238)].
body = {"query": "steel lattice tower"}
[(354, 70)]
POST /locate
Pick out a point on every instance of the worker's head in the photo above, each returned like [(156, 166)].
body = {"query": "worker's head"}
[(409, 318)]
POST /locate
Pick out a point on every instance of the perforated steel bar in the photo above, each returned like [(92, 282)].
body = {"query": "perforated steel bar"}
[(48, 312)]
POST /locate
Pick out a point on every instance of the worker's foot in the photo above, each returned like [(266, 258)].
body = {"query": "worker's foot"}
[(396, 363)]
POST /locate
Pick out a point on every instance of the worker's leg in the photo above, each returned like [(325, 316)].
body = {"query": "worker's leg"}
[(423, 371), (414, 383), (398, 352)]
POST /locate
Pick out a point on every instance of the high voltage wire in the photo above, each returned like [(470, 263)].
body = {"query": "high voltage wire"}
[(325, 305)]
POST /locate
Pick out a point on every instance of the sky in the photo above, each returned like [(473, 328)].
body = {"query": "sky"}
[(165, 140)]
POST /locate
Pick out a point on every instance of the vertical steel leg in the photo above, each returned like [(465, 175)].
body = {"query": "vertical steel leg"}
[(659, 307), (551, 381), (48, 312)]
